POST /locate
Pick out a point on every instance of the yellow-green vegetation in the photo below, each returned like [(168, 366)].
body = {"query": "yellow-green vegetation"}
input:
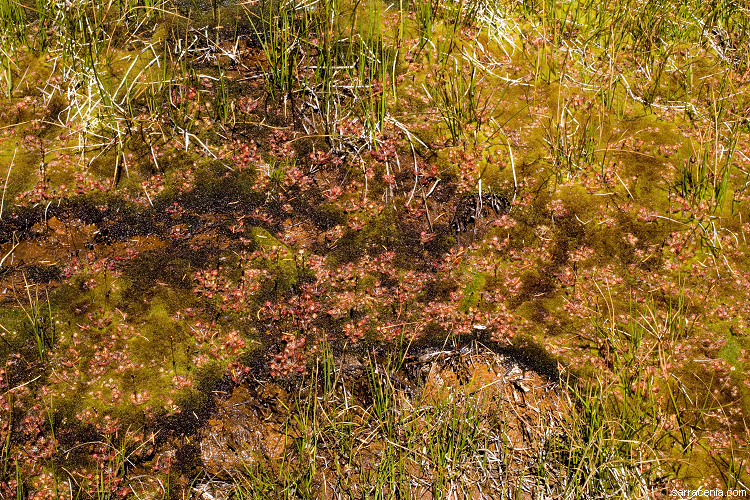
[(204, 201)]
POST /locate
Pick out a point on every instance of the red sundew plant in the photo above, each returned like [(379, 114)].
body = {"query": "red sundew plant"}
[(297, 178), (154, 184), (468, 169), (292, 359), (280, 145), (182, 94), (242, 154), (40, 192), (325, 160), (557, 208)]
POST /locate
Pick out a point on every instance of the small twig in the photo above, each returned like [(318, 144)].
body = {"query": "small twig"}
[(5, 186), (416, 172), (22, 385), (432, 188), (15, 244), (426, 209), (512, 166), (147, 196), (623, 185)]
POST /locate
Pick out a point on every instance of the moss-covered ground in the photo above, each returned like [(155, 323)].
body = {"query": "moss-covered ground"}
[(198, 195)]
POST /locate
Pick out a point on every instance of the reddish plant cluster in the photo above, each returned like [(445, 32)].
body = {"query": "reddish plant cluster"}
[(182, 94), (292, 359), (242, 154)]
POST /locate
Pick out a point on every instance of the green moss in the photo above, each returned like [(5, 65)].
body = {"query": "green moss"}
[(284, 262), (473, 292), (16, 332), (158, 336), (731, 352)]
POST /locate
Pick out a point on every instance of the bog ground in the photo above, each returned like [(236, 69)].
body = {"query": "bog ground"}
[(336, 249)]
